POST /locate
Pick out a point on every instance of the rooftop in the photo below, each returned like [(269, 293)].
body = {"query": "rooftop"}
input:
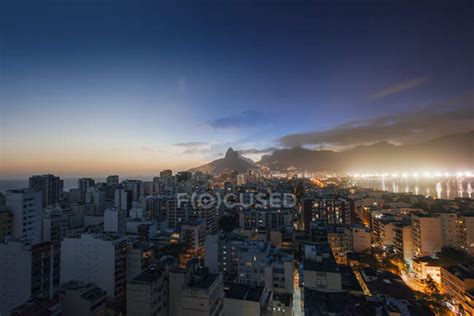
[(324, 265), (88, 290), (150, 274), (461, 271), (205, 282), (245, 292), (255, 246), (93, 294), (389, 284), (323, 302), (428, 260)]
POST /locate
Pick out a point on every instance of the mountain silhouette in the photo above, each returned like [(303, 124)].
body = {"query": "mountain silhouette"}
[(448, 153), (232, 161)]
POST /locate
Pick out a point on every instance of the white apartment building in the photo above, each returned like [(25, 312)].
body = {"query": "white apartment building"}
[(115, 220), (426, 233), (361, 239), (100, 259), (27, 208)]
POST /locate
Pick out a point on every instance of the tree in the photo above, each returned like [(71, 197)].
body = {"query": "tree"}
[(431, 286), (451, 256), (367, 258)]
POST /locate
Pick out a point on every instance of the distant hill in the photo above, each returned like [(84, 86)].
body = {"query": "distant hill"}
[(453, 152), (232, 161), (449, 153)]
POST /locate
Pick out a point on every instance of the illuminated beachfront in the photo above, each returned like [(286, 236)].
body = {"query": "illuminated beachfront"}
[(437, 184)]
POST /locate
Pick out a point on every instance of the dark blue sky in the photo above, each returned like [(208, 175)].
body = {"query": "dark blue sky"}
[(162, 83)]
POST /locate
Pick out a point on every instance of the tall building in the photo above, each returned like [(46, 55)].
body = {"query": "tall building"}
[(27, 209), (147, 293), (136, 188), (49, 185), (340, 242), (321, 271), (221, 253), (155, 207), (211, 253), (74, 196), (426, 233), (183, 176), (150, 188), (26, 271), (331, 210), (3, 200), (115, 220), (451, 230), (113, 180), (456, 282), (75, 215), (123, 199), (54, 226), (404, 242), (100, 259), (6, 224), (82, 299), (139, 256), (361, 239), (195, 291), (166, 174), (96, 197), (243, 299), (467, 222), (252, 262), (384, 227), (194, 236), (279, 272), (84, 184), (267, 219), (177, 213)]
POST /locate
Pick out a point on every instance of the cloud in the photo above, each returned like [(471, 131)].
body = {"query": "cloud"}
[(400, 87), (449, 117), (195, 147), (192, 144), (197, 151), (254, 151), (243, 119)]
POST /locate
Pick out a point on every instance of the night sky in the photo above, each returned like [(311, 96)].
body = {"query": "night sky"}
[(98, 87)]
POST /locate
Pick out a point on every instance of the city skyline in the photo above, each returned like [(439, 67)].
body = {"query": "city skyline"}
[(236, 157), (133, 88)]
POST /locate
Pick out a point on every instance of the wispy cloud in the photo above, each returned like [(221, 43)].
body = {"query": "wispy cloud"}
[(192, 144), (243, 119), (448, 117), (195, 147), (255, 151), (400, 87)]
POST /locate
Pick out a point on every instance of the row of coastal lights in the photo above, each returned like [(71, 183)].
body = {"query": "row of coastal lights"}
[(425, 174)]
